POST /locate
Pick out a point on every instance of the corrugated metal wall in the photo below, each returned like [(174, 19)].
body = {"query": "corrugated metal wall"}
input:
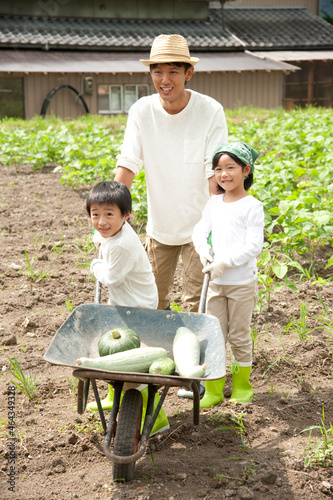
[(259, 89), (311, 5)]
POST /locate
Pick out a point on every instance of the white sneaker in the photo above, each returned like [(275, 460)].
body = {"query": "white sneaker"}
[(184, 393)]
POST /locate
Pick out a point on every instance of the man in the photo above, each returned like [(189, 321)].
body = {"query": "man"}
[(173, 134)]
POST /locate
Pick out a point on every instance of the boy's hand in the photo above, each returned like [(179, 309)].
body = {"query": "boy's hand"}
[(93, 262), (216, 269)]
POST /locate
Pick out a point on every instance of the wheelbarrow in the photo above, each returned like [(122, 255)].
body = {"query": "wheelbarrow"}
[(78, 337)]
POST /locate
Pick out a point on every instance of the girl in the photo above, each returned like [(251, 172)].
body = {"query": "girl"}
[(236, 221)]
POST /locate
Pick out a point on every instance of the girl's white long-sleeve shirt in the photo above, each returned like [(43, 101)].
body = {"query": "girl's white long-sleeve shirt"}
[(125, 270), (176, 151), (237, 236)]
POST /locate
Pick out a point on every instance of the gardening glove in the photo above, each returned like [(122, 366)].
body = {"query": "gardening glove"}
[(205, 255), (216, 269)]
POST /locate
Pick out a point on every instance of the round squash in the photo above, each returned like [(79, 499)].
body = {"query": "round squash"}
[(118, 340), (162, 366)]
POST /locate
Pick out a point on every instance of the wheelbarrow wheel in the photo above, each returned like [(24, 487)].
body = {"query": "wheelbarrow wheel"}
[(128, 433)]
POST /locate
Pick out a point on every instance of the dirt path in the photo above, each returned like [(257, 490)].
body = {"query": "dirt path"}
[(57, 453)]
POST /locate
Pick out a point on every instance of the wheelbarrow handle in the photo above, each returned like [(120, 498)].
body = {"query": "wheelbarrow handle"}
[(203, 296), (98, 287), (204, 290)]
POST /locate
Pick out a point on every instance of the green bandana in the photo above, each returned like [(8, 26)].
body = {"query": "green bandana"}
[(244, 152)]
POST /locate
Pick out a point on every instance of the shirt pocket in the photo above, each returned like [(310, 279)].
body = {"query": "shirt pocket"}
[(194, 151)]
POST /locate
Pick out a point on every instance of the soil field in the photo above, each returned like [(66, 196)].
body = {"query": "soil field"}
[(244, 451)]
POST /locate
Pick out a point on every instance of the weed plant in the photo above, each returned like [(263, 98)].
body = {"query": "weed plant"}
[(277, 362), (35, 275), (300, 327), (69, 304), (257, 337), (27, 384), (237, 423), (320, 451)]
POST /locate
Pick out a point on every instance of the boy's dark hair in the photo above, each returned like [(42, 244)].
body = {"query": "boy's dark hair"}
[(184, 65), (248, 180), (110, 193)]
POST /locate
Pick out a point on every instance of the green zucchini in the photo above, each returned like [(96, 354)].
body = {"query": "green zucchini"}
[(186, 353), (162, 366), (118, 340), (134, 360)]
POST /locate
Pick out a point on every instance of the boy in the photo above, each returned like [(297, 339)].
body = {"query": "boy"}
[(124, 267)]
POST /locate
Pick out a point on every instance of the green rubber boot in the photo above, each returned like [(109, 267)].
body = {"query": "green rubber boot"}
[(106, 403), (162, 422), (242, 390), (213, 393)]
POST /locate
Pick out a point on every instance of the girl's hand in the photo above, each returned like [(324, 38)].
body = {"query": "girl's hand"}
[(205, 256), (216, 269)]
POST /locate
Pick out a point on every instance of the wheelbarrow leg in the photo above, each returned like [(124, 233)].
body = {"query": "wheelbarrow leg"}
[(114, 412), (82, 394), (150, 414), (196, 402), (98, 401)]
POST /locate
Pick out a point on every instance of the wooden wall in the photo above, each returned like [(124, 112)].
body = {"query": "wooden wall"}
[(110, 9), (64, 102), (311, 5), (259, 89)]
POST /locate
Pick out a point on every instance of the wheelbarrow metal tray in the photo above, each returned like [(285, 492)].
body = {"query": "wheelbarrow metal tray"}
[(79, 336)]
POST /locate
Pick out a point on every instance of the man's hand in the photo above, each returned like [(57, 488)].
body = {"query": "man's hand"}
[(125, 176), (213, 186), (216, 269)]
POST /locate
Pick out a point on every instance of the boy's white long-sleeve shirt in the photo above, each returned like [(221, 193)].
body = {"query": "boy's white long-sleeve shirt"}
[(125, 270), (176, 151), (237, 236)]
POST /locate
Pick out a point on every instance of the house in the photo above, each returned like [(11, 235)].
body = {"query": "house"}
[(73, 57), (299, 37)]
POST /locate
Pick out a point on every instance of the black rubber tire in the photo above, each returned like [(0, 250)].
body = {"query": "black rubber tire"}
[(127, 433)]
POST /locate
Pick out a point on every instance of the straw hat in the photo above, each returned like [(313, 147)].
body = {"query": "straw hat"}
[(168, 49)]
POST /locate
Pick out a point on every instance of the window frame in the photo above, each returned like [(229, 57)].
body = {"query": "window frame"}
[(122, 86)]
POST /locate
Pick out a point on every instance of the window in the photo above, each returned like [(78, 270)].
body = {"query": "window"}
[(119, 98), (11, 98)]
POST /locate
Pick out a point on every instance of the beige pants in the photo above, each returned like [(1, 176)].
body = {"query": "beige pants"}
[(233, 306), (164, 259)]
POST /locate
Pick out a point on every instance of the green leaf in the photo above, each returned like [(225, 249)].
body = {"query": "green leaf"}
[(329, 263), (265, 257), (284, 207), (280, 270), (291, 285)]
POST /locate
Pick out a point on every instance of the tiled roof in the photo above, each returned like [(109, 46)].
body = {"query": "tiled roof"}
[(108, 33), (279, 28), (246, 28)]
